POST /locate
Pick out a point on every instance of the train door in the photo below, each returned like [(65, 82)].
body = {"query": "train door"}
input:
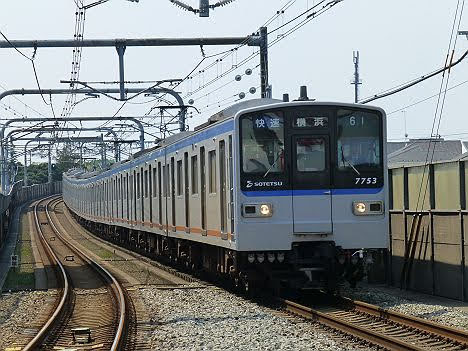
[(173, 195), (222, 187), (312, 211), (186, 191), (160, 195), (203, 189), (143, 191), (150, 193)]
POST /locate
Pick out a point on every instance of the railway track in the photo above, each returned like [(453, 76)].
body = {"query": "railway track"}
[(91, 311), (382, 328)]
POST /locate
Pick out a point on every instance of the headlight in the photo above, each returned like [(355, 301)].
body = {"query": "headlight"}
[(257, 210), (265, 210), (364, 208), (360, 207)]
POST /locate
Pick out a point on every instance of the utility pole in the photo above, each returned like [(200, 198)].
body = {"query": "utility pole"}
[(264, 84), (356, 81)]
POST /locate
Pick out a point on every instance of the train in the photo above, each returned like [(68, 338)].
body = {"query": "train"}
[(266, 193)]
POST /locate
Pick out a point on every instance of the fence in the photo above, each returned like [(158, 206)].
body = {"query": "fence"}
[(18, 195), (428, 222)]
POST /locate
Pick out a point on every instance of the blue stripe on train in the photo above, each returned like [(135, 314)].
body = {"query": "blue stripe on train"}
[(312, 192)]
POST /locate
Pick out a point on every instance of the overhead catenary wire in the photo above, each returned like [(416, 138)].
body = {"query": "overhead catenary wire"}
[(30, 59), (231, 51), (308, 18)]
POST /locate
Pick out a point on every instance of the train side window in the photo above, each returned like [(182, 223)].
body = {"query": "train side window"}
[(138, 185), (146, 183), (124, 190), (155, 191), (171, 177), (165, 181), (212, 170), (130, 186), (179, 178), (194, 174)]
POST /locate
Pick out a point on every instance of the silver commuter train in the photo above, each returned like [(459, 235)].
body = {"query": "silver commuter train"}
[(289, 194)]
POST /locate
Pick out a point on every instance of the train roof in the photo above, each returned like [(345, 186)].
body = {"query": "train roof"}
[(233, 109)]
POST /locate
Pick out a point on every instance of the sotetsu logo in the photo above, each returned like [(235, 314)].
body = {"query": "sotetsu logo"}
[(251, 184)]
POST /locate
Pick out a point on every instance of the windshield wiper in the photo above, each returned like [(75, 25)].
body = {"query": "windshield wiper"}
[(274, 163), (349, 163)]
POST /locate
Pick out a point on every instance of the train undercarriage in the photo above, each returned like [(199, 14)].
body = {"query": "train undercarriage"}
[(308, 266)]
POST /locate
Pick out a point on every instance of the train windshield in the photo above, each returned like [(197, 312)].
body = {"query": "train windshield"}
[(358, 141), (263, 144)]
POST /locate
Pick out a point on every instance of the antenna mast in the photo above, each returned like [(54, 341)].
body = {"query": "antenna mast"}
[(357, 81)]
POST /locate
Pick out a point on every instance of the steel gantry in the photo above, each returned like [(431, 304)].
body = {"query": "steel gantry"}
[(52, 141), (3, 158), (83, 91), (50, 129), (259, 39)]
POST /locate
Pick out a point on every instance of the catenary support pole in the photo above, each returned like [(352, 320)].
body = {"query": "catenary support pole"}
[(121, 51), (49, 164)]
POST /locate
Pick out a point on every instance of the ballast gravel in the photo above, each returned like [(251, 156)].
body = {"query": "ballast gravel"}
[(21, 314), (443, 311), (213, 319)]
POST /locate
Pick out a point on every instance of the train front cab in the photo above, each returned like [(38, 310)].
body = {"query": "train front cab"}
[(312, 191)]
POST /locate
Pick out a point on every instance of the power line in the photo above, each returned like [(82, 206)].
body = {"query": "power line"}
[(31, 59), (425, 99), (23, 103), (227, 52), (439, 112), (309, 18)]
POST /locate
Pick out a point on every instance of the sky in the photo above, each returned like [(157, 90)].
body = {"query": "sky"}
[(398, 41)]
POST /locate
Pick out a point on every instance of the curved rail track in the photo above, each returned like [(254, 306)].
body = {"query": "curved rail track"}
[(381, 327), (76, 308)]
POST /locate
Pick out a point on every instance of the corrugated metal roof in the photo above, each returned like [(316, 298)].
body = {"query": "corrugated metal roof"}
[(419, 152)]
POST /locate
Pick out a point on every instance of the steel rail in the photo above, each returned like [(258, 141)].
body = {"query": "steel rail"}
[(34, 343), (443, 331), (376, 338), (116, 287)]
